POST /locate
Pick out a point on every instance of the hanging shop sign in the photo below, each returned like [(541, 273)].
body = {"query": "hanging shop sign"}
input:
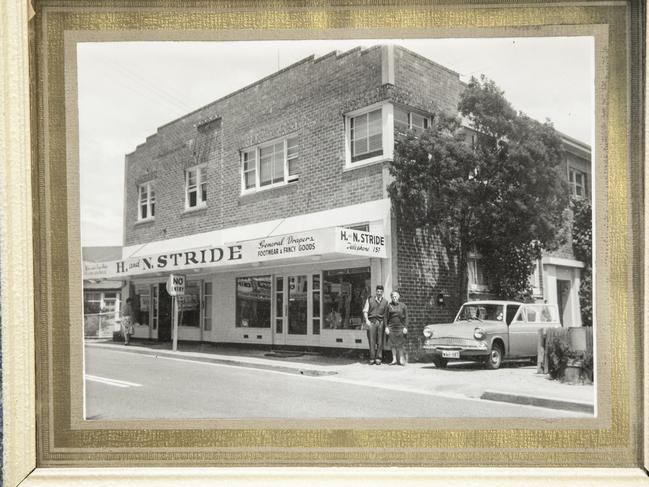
[(324, 241), (357, 242)]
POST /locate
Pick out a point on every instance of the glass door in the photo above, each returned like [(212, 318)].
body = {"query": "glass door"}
[(297, 309), (279, 328), (298, 315)]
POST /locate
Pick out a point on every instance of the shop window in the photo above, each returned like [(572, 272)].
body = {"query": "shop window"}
[(344, 294), (270, 164), (189, 305), (154, 307), (92, 303), (207, 306), (196, 187), (146, 201), (105, 302), (142, 304), (316, 303), (279, 304), (253, 302), (578, 183)]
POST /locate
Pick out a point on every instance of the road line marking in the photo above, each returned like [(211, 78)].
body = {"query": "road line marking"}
[(111, 382)]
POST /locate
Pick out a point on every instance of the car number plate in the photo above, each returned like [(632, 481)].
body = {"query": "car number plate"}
[(451, 354)]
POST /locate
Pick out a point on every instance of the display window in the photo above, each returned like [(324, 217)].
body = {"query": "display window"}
[(189, 309), (142, 304), (344, 294), (253, 302)]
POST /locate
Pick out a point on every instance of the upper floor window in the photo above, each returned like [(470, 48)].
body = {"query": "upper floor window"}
[(196, 186), (270, 164), (366, 135), (369, 136), (578, 183), (405, 120), (146, 201)]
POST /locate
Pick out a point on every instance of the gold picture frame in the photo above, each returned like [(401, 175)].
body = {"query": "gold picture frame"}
[(39, 373)]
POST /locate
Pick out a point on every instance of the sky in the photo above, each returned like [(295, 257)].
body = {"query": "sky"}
[(126, 90)]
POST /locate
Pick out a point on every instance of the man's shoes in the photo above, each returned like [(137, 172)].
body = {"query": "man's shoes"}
[(371, 362), (377, 362)]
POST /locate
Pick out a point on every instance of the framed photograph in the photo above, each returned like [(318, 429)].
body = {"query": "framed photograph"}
[(256, 243)]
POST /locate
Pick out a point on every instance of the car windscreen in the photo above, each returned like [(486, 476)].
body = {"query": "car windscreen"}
[(483, 312), (541, 313)]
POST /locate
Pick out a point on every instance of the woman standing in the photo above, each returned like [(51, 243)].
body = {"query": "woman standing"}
[(396, 327)]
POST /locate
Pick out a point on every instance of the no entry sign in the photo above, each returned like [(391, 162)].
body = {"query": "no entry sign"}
[(176, 285)]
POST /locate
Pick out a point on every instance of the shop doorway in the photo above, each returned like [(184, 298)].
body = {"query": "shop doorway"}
[(164, 314), (297, 307)]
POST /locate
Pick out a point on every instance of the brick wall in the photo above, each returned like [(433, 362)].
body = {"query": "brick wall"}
[(426, 84), (425, 270), (308, 100)]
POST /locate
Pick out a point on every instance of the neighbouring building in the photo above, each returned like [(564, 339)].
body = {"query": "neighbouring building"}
[(557, 275), (272, 202), (101, 297)]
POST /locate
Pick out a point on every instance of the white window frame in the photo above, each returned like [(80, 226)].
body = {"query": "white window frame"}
[(149, 202), (535, 279), (472, 264), (200, 203), (572, 173), (409, 113), (387, 135), (256, 150)]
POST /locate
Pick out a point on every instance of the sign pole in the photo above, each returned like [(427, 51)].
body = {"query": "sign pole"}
[(174, 347), (175, 288)]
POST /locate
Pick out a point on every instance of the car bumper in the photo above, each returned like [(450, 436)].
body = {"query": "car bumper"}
[(473, 351)]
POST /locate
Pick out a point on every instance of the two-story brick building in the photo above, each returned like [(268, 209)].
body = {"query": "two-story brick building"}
[(272, 201)]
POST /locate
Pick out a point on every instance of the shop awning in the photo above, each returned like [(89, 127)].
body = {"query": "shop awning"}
[(336, 241)]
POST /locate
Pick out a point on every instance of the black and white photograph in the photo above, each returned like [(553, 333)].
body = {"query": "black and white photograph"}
[(355, 229)]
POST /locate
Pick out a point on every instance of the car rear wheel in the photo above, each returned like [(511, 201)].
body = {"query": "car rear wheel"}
[(440, 363), (495, 358)]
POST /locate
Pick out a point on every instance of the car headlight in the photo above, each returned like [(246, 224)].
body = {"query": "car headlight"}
[(479, 333), (428, 333)]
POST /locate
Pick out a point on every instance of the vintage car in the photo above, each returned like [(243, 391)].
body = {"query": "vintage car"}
[(490, 331)]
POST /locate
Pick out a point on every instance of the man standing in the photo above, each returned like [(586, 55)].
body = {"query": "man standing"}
[(374, 313)]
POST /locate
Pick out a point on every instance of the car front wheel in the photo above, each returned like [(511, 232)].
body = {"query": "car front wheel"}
[(495, 358)]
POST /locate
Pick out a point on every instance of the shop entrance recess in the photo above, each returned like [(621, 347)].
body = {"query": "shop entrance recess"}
[(297, 307)]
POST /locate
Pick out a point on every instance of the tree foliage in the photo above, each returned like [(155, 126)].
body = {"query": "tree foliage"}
[(496, 189)]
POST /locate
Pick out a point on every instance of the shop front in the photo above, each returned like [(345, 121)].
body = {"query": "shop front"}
[(302, 289)]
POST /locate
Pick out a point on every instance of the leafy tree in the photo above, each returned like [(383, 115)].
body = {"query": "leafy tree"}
[(496, 189), (582, 247)]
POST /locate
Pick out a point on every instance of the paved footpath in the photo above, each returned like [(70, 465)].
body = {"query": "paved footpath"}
[(515, 383)]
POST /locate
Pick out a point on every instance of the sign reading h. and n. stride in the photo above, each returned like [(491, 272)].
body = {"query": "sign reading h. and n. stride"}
[(324, 241)]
